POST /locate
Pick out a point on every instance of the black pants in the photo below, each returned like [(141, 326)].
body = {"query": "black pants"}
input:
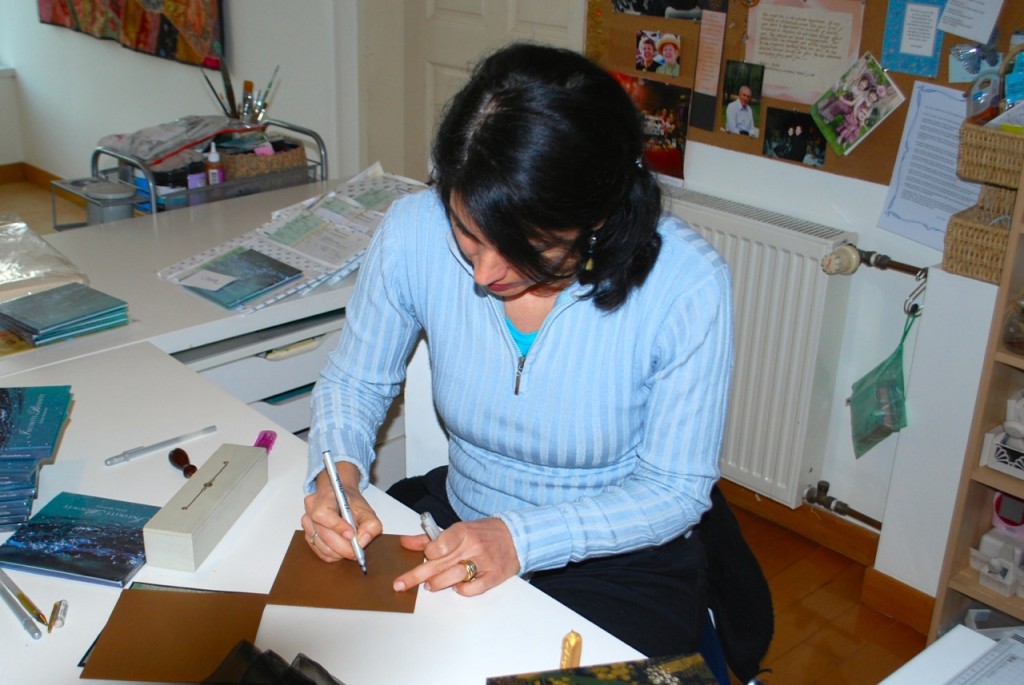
[(654, 599)]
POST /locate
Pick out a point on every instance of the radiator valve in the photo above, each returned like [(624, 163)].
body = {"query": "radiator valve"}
[(843, 260)]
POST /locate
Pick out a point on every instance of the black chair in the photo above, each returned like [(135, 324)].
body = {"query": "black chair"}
[(739, 598)]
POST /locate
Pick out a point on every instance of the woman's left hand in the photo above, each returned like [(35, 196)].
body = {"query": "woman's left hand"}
[(485, 544)]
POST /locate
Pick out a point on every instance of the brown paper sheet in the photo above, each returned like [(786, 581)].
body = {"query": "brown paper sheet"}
[(305, 580), (168, 636)]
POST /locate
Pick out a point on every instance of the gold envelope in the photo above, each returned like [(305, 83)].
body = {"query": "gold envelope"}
[(172, 636), (306, 580)]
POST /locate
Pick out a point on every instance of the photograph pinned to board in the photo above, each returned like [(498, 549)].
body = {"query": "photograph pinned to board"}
[(860, 100), (664, 109), (741, 98), (657, 52), (792, 136)]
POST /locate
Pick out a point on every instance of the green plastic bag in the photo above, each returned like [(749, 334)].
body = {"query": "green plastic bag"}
[(878, 406)]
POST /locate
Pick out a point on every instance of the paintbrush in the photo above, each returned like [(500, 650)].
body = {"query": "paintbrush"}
[(229, 91), (220, 100)]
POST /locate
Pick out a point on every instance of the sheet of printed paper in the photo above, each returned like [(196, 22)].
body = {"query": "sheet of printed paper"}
[(318, 238), (925, 190), (709, 53), (803, 44), (972, 19)]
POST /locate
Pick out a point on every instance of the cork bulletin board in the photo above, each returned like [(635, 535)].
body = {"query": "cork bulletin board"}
[(708, 78)]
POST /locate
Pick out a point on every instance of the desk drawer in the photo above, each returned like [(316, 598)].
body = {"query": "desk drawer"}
[(276, 370), (292, 413)]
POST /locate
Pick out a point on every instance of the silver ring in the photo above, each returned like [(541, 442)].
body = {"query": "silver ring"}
[(312, 540), (470, 571)]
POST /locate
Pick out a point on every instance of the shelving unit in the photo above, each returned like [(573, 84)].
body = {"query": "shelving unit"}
[(314, 169), (1002, 376)]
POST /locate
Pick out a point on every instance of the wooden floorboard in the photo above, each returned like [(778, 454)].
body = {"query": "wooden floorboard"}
[(824, 632)]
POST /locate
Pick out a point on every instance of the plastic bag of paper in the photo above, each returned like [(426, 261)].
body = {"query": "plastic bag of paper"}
[(878, 406), (157, 143), (28, 263)]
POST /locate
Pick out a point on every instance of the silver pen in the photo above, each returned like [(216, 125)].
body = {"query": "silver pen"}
[(145, 449), (429, 526), (343, 508), (26, 621)]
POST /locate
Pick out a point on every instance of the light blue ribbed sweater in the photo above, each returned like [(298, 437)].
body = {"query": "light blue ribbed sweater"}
[(611, 443)]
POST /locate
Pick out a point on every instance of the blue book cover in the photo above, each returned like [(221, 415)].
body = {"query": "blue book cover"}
[(32, 420), (253, 273), (57, 307), (99, 323), (81, 537)]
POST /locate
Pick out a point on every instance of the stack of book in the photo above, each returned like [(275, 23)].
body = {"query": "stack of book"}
[(31, 422), (62, 312)]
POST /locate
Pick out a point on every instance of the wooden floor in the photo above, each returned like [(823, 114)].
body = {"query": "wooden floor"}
[(822, 632), (32, 204)]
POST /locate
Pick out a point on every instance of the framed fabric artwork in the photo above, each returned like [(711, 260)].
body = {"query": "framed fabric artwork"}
[(189, 31)]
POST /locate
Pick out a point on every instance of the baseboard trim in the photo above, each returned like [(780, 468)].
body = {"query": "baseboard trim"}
[(823, 527), (12, 173), (44, 179), (906, 604), (882, 593)]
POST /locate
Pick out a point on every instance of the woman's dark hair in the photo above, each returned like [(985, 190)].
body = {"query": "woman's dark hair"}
[(543, 148)]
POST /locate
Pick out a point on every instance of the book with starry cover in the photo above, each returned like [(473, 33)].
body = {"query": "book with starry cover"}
[(81, 537)]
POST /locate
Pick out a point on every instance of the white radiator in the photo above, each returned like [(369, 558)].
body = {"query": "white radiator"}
[(788, 317)]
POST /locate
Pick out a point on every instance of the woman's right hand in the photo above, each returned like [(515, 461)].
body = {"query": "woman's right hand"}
[(325, 530)]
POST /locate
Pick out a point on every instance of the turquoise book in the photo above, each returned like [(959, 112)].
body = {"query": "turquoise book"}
[(238, 276), (60, 308), (32, 419), (81, 537)]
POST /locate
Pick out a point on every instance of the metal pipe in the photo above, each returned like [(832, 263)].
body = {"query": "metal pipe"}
[(847, 258), (881, 261), (819, 496)]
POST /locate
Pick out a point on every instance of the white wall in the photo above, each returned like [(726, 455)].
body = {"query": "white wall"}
[(11, 150), (74, 89)]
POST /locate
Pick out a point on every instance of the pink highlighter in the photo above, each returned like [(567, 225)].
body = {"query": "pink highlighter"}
[(266, 440)]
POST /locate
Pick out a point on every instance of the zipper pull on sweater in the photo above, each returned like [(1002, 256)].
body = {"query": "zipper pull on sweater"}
[(519, 372)]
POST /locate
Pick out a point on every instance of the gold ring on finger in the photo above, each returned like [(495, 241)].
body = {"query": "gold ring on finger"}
[(470, 571)]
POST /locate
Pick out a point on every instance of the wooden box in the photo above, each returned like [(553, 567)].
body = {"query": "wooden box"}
[(184, 532), (1000, 457)]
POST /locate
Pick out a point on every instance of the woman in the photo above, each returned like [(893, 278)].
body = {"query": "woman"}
[(668, 48), (646, 51), (580, 347)]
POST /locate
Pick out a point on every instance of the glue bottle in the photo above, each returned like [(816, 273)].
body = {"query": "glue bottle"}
[(214, 166)]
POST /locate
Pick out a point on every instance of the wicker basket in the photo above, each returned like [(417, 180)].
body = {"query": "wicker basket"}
[(975, 243), (988, 155), (288, 154)]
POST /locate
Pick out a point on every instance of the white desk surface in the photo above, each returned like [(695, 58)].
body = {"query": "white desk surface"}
[(943, 660), (136, 395), (122, 259)]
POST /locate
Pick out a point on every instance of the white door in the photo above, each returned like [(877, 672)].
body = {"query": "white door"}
[(413, 55), (443, 40)]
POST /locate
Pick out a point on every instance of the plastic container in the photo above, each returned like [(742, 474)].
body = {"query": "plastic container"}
[(108, 202)]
